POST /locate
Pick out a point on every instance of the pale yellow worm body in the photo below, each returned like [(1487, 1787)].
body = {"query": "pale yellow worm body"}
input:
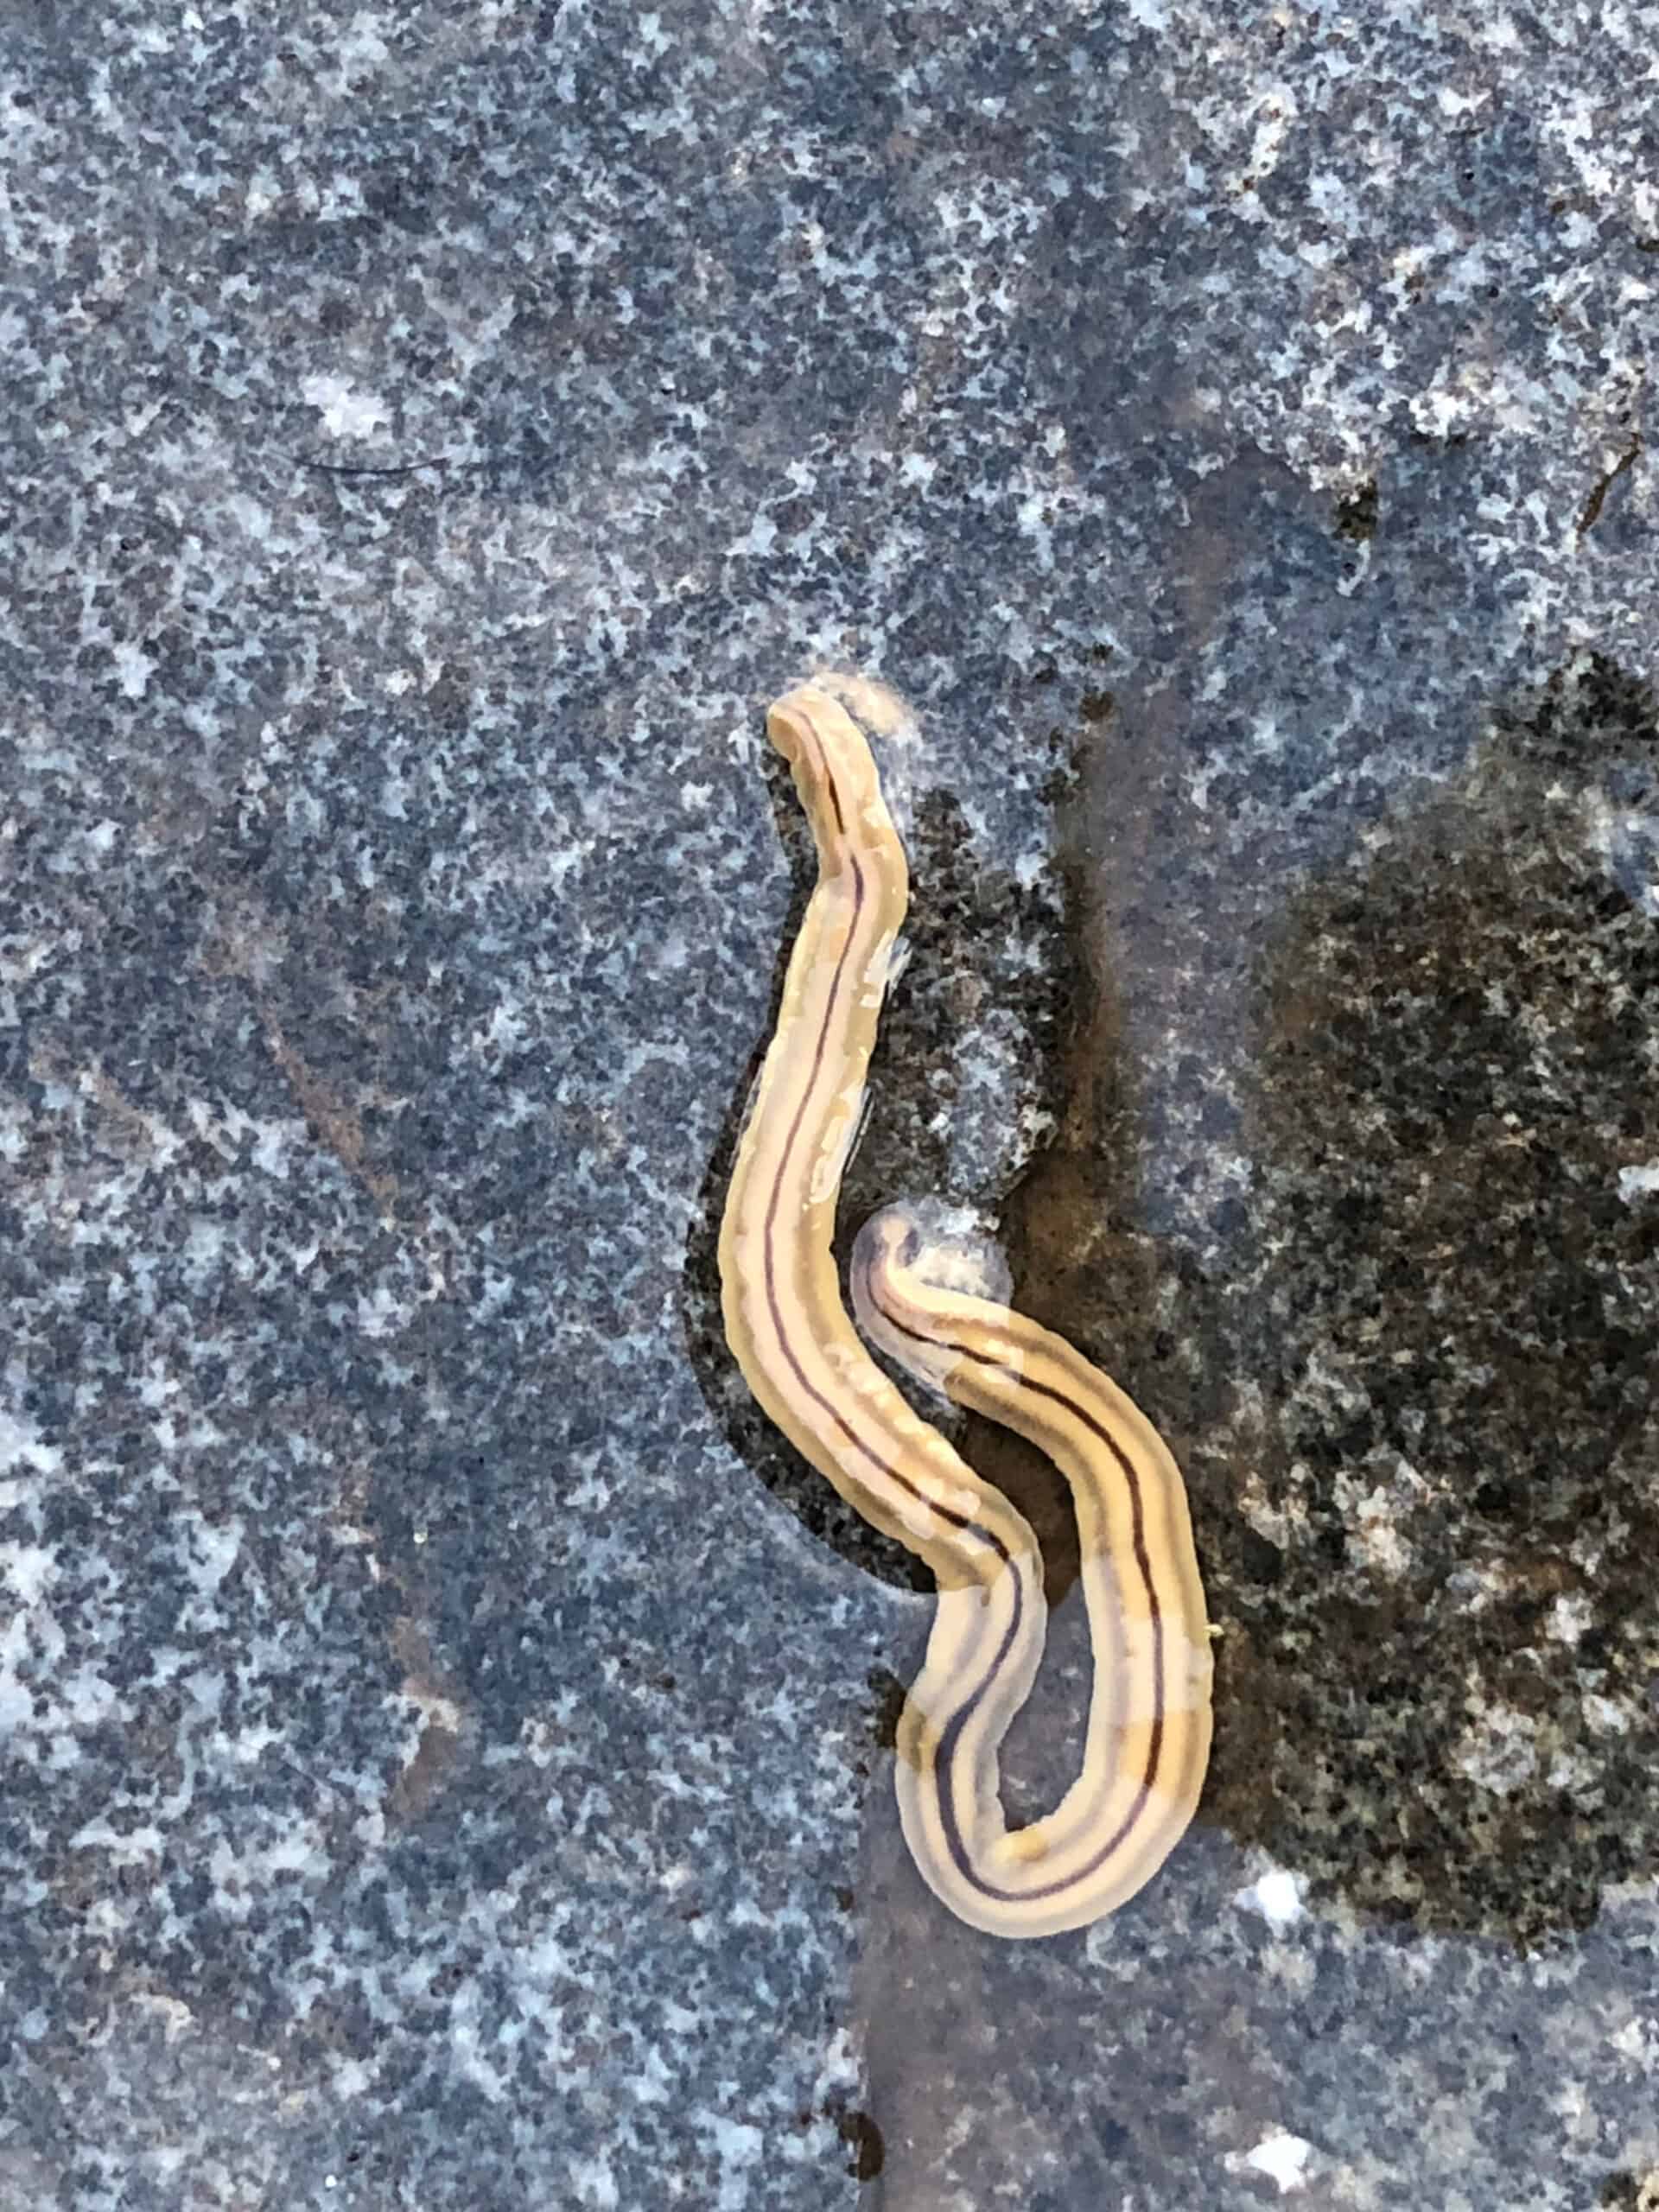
[(1147, 1738)]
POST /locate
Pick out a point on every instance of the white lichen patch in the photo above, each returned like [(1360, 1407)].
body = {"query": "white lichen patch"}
[(1275, 1895), (1280, 2156)]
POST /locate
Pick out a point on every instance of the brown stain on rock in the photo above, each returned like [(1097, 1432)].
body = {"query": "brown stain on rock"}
[(1444, 1703)]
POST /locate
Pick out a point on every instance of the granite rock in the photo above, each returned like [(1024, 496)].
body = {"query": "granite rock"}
[(447, 1736)]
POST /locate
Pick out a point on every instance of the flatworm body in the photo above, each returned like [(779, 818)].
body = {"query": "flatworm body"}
[(1147, 1738)]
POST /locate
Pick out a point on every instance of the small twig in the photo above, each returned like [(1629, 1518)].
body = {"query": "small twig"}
[(1593, 504), (401, 468)]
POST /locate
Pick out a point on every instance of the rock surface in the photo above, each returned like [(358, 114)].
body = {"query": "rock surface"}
[(446, 1735)]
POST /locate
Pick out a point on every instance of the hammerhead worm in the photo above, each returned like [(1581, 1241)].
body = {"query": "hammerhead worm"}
[(1148, 1738)]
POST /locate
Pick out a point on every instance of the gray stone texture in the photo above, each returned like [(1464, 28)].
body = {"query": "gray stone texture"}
[(447, 1739)]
